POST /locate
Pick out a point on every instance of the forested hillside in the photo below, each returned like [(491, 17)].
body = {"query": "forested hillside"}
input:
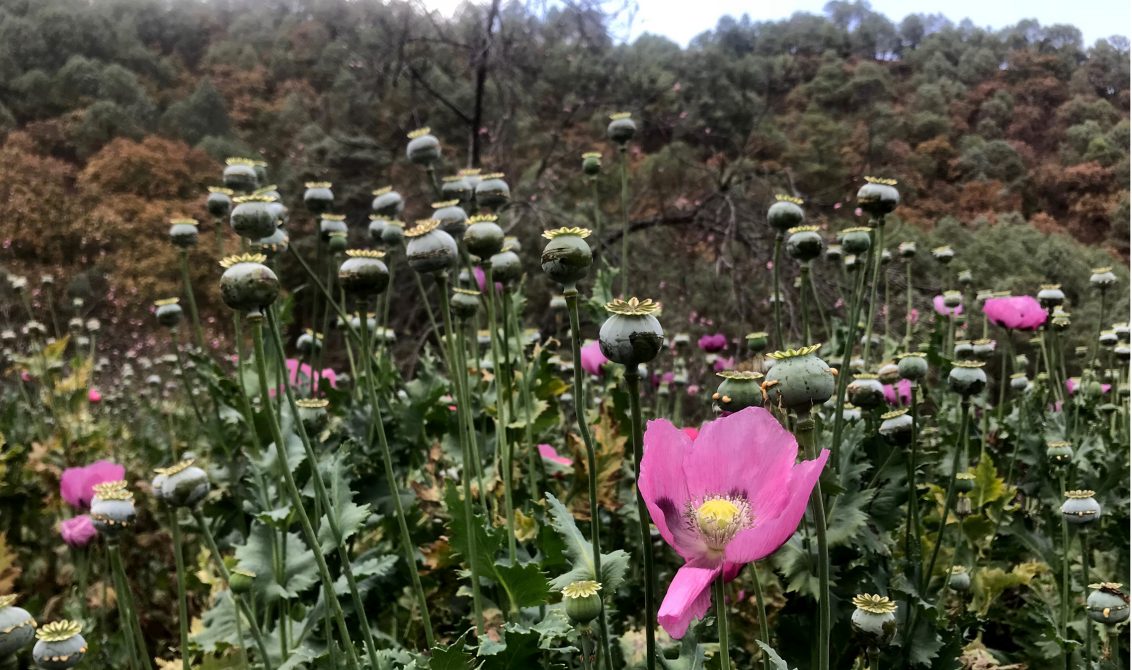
[(117, 114)]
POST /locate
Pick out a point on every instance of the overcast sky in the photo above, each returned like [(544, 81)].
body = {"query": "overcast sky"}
[(681, 20)]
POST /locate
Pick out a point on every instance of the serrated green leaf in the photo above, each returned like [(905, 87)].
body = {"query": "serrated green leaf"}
[(349, 515), (520, 652), (452, 657), (776, 661), (988, 485), (525, 585), (614, 565), (488, 542), (219, 630), (299, 571), (367, 571)]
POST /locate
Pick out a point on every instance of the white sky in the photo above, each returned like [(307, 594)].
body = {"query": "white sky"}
[(681, 20)]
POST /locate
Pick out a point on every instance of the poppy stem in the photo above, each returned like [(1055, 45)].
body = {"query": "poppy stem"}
[(764, 626), (191, 299), (625, 226), (777, 297), (1088, 649), (633, 382), (182, 598), (721, 622), (123, 611), (122, 585), (878, 261), (908, 308), (596, 195), (1063, 622), (804, 432), (949, 499)]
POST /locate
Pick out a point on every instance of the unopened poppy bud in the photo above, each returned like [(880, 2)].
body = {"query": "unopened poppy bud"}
[(959, 580), (313, 414), (241, 581), (248, 285), (17, 626), (785, 213), (865, 391), (913, 366), (1080, 507), (967, 378), (878, 196), (318, 197), (423, 148), (874, 619), (387, 202), (183, 233), (631, 335), (1107, 603), (59, 645), (567, 256), (799, 380), (738, 390), (582, 600), (430, 249), (621, 128), (363, 274)]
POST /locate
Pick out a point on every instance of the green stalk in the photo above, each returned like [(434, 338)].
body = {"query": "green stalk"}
[(316, 365), (509, 447), (877, 252), (188, 386), (817, 305), (764, 626), (1095, 357), (502, 415), (124, 592), (846, 358), (528, 407), (427, 306), (221, 245), (597, 210), (721, 623), (780, 342), (1088, 650), (633, 383), (191, 299), (803, 302), (804, 432), (126, 616), (391, 480), (469, 420), (624, 225), (292, 488), (338, 310), (949, 499), (182, 599), (581, 402)]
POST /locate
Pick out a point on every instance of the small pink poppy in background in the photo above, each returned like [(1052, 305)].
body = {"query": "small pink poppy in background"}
[(731, 496), (913, 317), (481, 279), (858, 212), (944, 310), (720, 364), (693, 389), (300, 373), (93, 396), (549, 453), (837, 205), (1074, 383), (898, 394), (838, 304), (713, 343), (78, 531), (77, 484), (1016, 312), (592, 358)]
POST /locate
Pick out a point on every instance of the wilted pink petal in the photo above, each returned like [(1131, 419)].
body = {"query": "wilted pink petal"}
[(720, 364), (78, 531), (713, 343), (592, 358)]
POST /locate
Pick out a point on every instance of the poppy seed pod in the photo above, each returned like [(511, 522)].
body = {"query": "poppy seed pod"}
[(1107, 338), (631, 335), (1102, 278), (423, 148), (1019, 382), (331, 223), (240, 175), (865, 391), (112, 508), (506, 267), (59, 645), (248, 285), (1122, 352), (1107, 603), (799, 380), (484, 237), (856, 240), (785, 213), (252, 218), (1051, 296), (1059, 453), (964, 482), (913, 366), (738, 390), (241, 580), (834, 253), (168, 312), (853, 262), (452, 217), (1122, 331), (363, 274), (309, 342), (387, 202), (874, 619), (183, 233), (896, 427), (184, 484), (621, 128), (465, 303), (952, 299), (313, 414), (393, 234), (17, 626), (804, 243), (456, 187), (944, 254), (219, 202), (1080, 507), (260, 167), (272, 245), (492, 192), (906, 250), (758, 341), (591, 163), (959, 580), (567, 256), (376, 227), (877, 196), (983, 349), (430, 249), (318, 197), (337, 242), (967, 378), (964, 350), (889, 373), (582, 601), (885, 256)]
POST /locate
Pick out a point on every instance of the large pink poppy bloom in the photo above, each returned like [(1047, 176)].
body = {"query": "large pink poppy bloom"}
[(78, 531), (1016, 312), (77, 484), (899, 393), (731, 496), (592, 358), (713, 343), (1074, 383), (944, 310), (300, 373)]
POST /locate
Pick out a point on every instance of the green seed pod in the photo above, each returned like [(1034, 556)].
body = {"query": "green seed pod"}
[(363, 274), (452, 217), (484, 237), (393, 235), (168, 312), (804, 243), (183, 233), (885, 256), (567, 256), (492, 192), (1108, 338), (1019, 382), (328, 224), (465, 303), (591, 163), (943, 255), (896, 427), (219, 202), (959, 580), (631, 335), (874, 619), (964, 482), (309, 342), (241, 581), (430, 249), (621, 128), (865, 391), (1122, 331), (60, 645), (1059, 453), (423, 148), (834, 253), (913, 366), (878, 197), (964, 350), (252, 218), (1122, 352), (1051, 296), (272, 245), (1102, 278), (758, 341), (582, 601), (376, 227), (506, 267), (983, 349), (260, 168), (17, 626), (248, 285), (457, 187), (799, 380), (387, 203), (965, 278), (906, 250), (889, 373), (313, 414), (853, 262), (952, 299), (851, 412), (184, 484), (318, 197), (738, 390), (112, 508), (240, 175), (856, 241), (1080, 507), (785, 213), (336, 243), (1107, 603), (967, 378)]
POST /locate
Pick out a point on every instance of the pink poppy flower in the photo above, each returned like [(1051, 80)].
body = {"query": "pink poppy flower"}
[(1016, 312), (720, 364), (693, 389), (77, 484), (93, 396), (899, 394), (300, 373), (549, 453), (731, 496), (481, 279), (713, 343), (78, 531), (592, 358), (944, 310), (913, 317), (1074, 383)]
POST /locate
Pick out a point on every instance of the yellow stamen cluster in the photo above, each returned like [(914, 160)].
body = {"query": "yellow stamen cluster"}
[(881, 180), (113, 491), (468, 172), (365, 253), (719, 519), (8, 600), (229, 261), (175, 469), (465, 291), (492, 175), (581, 589), (794, 353), (1111, 587), (745, 375), (1080, 494), (419, 132), (1102, 270), (865, 375), (943, 250), (333, 217), (445, 203), (312, 403), (559, 232), (423, 227), (592, 154), (632, 307), (874, 604), (911, 354), (969, 364), (383, 190), (166, 301), (317, 184), (782, 197), (58, 631), (761, 333), (856, 229)]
